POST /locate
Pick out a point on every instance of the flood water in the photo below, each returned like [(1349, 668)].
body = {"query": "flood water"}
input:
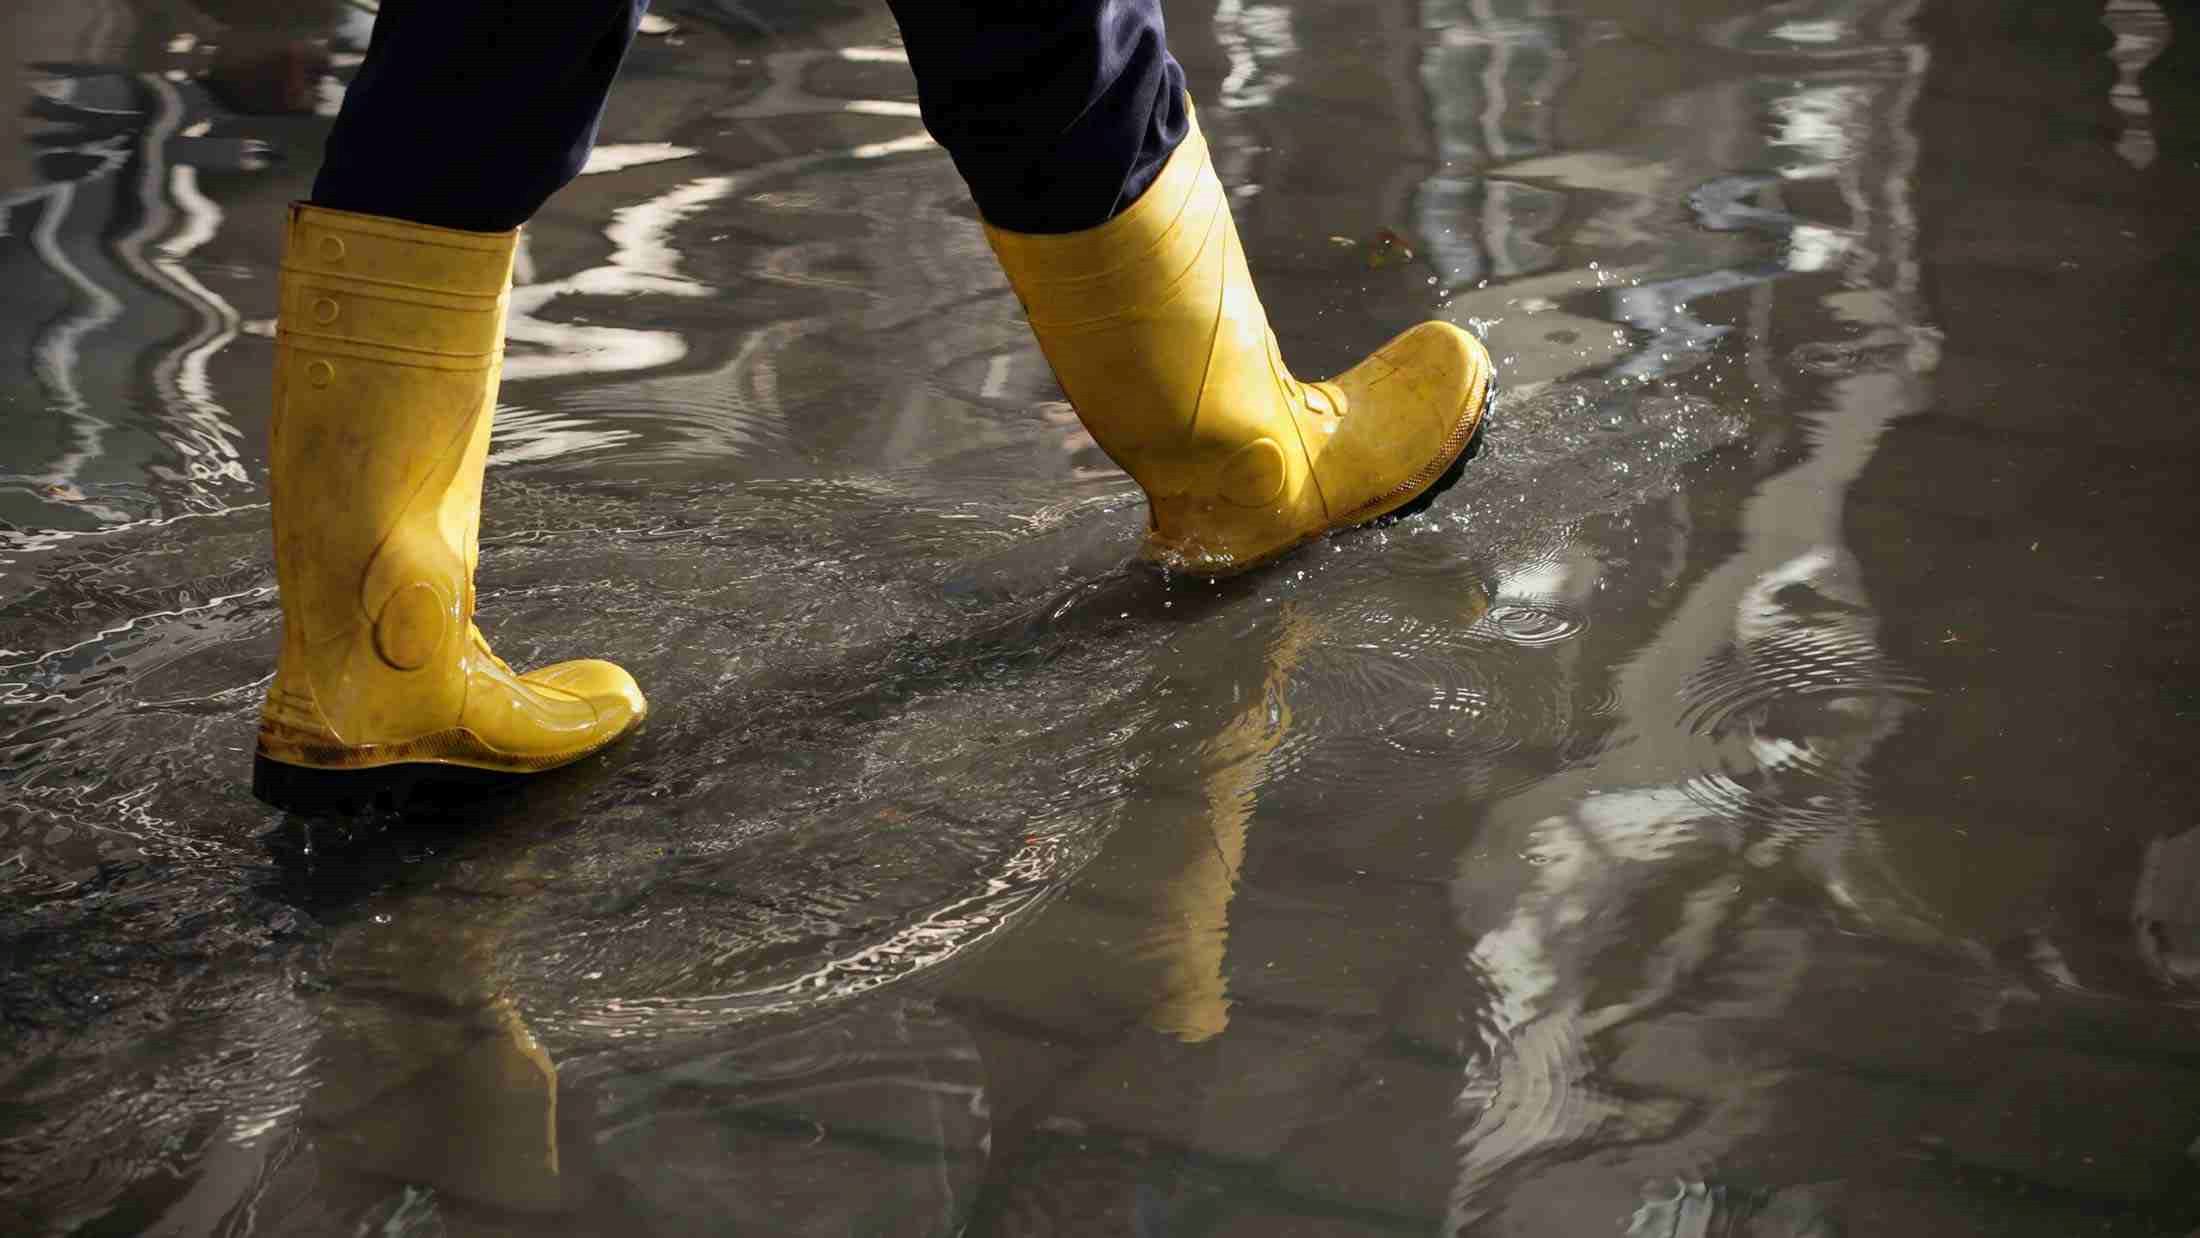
[(1758, 801)]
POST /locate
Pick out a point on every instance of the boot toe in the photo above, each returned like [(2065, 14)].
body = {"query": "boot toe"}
[(1425, 383), (606, 686), (1413, 408)]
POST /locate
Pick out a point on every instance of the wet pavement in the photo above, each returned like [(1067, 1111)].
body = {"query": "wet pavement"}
[(1757, 802)]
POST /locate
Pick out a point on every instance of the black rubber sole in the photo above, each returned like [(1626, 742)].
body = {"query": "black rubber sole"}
[(395, 790), (1427, 498)]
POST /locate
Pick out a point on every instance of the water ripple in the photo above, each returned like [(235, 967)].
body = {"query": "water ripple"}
[(1398, 727), (1532, 623)]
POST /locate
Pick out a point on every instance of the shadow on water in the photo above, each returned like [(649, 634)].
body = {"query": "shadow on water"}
[(1753, 803)]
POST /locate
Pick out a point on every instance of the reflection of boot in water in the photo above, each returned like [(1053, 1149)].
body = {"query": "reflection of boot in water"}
[(1193, 904), (1191, 928), (426, 1071), (466, 1103), (1152, 325), (388, 348)]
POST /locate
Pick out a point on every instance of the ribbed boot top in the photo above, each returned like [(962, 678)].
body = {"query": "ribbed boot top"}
[(1130, 261), (385, 283)]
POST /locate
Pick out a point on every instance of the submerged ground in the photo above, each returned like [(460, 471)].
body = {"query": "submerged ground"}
[(1758, 802)]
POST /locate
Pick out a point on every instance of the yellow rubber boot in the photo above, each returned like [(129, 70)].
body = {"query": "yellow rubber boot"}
[(1153, 328), (388, 347)]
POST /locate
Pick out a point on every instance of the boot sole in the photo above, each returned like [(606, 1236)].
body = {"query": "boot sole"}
[(396, 787), (383, 789)]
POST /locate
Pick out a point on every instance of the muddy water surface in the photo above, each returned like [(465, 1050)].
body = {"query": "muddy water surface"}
[(1756, 802)]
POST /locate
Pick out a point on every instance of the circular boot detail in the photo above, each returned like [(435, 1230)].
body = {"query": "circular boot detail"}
[(1254, 474), (411, 626)]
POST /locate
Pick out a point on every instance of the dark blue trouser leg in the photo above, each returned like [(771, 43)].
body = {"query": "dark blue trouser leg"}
[(1058, 114), (469, 114)]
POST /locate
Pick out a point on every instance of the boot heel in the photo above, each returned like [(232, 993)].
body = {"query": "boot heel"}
[(383, 789)]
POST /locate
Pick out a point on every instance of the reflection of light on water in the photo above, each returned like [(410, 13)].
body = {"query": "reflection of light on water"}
[(874, 150), (525, 434), (1822, 122), (210, 441), (619, 156), (880, 107), (1489, 76), (1814, 32), (642, 261), (1253, 36), (1489, 30), (1546, 578), (164, 188), (193, 425), (54, 358), (1529, 1087), (1775, 649), (915, 947), (996, 377), (46, 539), (1814, 248), (184, 373), (2141, 31)]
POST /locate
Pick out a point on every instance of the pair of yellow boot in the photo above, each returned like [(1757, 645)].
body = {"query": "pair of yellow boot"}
[(389, 345)]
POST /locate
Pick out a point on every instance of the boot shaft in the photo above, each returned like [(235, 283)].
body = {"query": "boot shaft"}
[(1152, 325), (389, 344)]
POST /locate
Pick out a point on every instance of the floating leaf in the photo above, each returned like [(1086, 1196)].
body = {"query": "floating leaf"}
[(1387, 248)]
